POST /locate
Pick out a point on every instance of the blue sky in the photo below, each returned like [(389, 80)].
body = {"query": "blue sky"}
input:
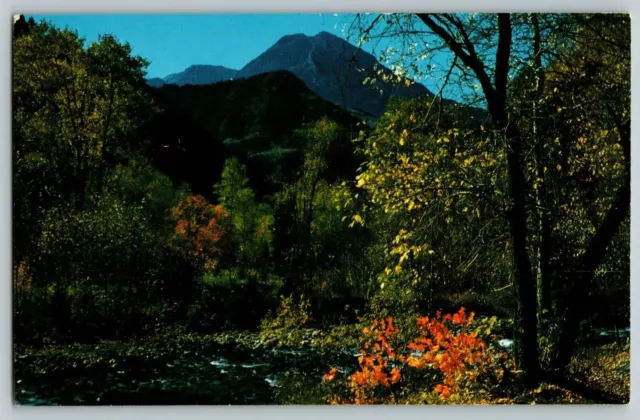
[(174, 42)]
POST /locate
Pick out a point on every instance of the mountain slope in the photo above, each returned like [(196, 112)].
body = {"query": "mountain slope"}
[(334, 69), (200, 75), (254, 119), (155, 82)]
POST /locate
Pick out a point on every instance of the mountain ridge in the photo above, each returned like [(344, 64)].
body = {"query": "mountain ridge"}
[(200, 74), (329, 65)]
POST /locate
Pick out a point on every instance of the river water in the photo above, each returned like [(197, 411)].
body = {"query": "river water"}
[(214, 377), (252, 377)]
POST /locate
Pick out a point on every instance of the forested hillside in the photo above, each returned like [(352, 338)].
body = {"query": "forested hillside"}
[(257, 120)]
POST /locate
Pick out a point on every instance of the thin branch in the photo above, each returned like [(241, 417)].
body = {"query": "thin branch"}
[(471, 61)]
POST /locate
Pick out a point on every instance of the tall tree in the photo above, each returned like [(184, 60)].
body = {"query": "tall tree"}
[(251, 221), (318, 138), (486, 51), (75, 108), (76, 112), (591, 82), (456, 34)]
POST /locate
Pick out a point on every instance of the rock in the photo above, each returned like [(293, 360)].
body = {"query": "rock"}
[(272, 380), (506, 343)]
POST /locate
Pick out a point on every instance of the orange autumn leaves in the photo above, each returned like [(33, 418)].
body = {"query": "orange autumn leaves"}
[(330, 375), (199, 229), (22, 276), (377, 363), (445, 345)]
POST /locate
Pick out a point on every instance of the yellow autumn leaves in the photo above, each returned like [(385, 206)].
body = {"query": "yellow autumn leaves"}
[(415, 172), (403, 137)]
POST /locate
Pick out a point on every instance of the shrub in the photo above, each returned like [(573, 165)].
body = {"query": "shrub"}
[(450, 356), (286, 326), (199, 230)]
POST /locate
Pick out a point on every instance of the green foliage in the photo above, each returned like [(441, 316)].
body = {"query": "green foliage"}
[(286, 325), (323, 256), (76, 108), (96, 264), (438, 182), (76, 113), (254, 119), (138, 182), (251, 222), (99, 260)]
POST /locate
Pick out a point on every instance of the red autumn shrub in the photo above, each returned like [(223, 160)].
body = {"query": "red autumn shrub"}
[(451, 348)]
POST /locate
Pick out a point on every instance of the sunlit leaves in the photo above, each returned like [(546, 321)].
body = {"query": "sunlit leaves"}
[(423, 173), (579, 168), (74, 105)]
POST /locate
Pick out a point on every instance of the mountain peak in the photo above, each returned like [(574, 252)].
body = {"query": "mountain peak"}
[(201, 67), (333, 68), (298, 35), (328, 35), (327, 63)]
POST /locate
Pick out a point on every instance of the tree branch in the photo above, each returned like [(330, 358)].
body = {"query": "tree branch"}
[(470, 61)]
